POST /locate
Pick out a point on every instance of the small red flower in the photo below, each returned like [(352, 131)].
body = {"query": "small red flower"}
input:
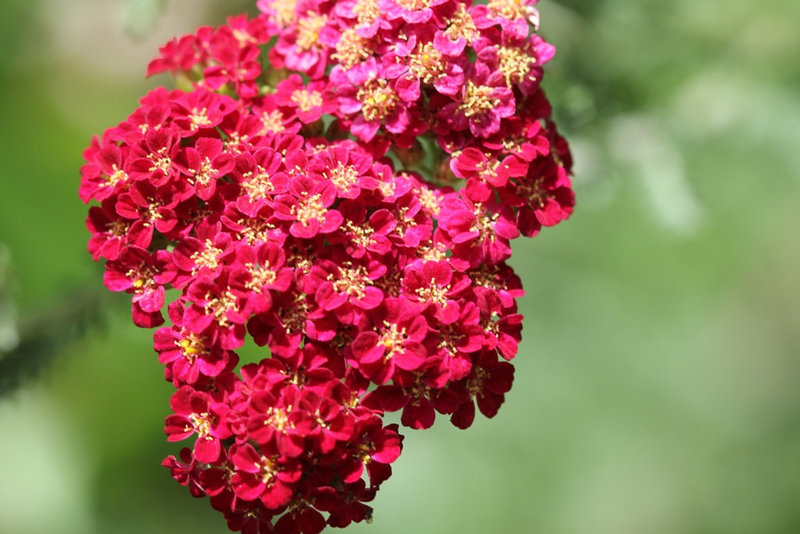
[(436, 285), (307, 102), (266, 477), (196, 413), (307, 205)]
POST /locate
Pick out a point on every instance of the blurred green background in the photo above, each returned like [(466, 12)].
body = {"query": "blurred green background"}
[(657, 383)]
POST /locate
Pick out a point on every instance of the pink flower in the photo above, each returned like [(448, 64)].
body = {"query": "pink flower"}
[(363, 16), (196, 413), (482, 102), (308, 102), (435, 285), (544, 197), (205, 164), (109, 231), (258, 272), (413, 12), (266, 477), (154, 159), (344, 286), (364, 237), (260, 177), (299, 47), (367, 91), (458, 32), (188, 356), (346, 166), (178, 54), (521, 136), (215, 310), (307, 205), (513, 16), (395, 340), (479, 233), (200, 110), (204, 255), (105, 173), (518, 57), (142, 274), (150, 209), (484, 172), (487, 384)]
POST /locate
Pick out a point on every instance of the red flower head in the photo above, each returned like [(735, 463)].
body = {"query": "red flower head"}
[(349, 203)]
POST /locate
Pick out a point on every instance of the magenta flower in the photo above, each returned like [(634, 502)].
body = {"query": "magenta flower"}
[(346, 166), (513, 16), (144, 275), (544, 197), (436, 285), (484, 173), (268, 478), (364, 237), (396, 340), (215, 310), (260, 178), (188, 356), (299, 47), (345, 287), (487, 385), (258, 272), (196, 413), (482, 102), (307, 102), (205, 164), (200, 110), (205, 255), (377, 100), (104, 175), (109, 232), (307, 205)]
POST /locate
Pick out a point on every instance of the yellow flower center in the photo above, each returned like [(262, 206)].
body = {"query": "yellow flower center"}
[(477, 100), (220, 306), (160, 160), (343, 176), (377, 99), (433, 293), (351, 49), (392, 338), (515, 64), (308, 209), (261, 275), (462, 25), (352, 280), (366, 12), (413, 5), (208, 257), (272, 122), (509, 9), (426, 63), (199, 118), (308, 29), (307, 100), (117, 175)]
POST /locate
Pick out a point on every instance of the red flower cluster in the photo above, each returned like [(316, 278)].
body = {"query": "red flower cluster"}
[(348, 203)]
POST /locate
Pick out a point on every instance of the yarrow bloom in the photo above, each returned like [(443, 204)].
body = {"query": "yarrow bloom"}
[(339, 182)]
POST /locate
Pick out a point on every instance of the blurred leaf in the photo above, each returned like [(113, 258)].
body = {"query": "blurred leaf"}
[(139, 17), (9, 338), (44, 335)]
